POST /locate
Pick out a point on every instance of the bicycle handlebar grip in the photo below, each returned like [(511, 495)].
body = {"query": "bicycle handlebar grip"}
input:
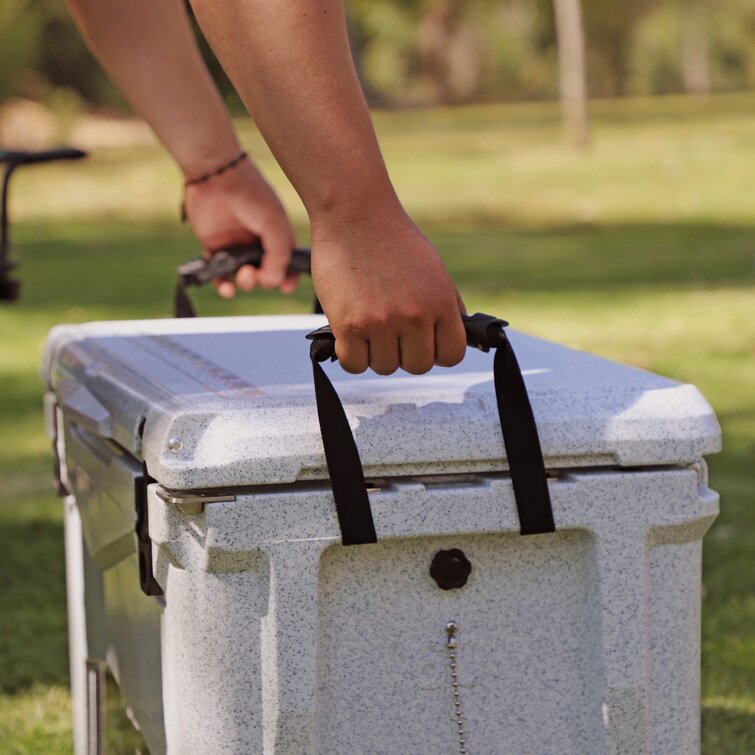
[(45, 156)]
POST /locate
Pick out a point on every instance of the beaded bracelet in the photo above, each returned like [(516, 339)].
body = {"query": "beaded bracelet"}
[(207, 176)]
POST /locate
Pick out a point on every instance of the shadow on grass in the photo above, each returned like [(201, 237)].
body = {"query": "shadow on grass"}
[(599, 258), (129, 268), (33, 640), (120, 270), (727, 731), (104, 269)]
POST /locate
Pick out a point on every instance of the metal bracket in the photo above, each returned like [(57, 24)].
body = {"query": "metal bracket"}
[(147, 581), (192, 501)]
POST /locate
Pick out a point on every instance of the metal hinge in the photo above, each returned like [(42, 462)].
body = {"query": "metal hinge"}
[(147, 581), (52, 423)]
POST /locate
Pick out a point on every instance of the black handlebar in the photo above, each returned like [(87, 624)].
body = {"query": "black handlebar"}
[(227, 262), (12, 159)]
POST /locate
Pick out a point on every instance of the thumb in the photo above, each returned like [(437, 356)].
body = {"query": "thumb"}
[(278, 241)]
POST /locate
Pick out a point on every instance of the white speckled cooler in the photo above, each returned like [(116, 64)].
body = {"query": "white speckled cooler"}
[(272, 637)]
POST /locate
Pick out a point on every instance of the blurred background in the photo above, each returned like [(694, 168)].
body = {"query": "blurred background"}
[(586, 169)]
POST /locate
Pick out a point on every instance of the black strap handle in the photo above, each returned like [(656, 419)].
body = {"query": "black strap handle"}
[(225, 264), (520, 436)]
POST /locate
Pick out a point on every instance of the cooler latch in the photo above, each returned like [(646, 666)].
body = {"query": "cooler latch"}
[(147, 581)]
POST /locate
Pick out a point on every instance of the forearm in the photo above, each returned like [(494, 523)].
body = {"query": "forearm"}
[(148, 49), (291, 64)]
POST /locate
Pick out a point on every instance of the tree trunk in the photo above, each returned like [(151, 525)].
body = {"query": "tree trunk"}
[(695, 62), (572, 73)]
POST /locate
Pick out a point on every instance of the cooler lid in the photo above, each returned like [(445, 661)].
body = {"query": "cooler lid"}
[(218, 402)]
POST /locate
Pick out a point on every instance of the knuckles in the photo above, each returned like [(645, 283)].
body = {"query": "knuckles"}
[(376, 322)]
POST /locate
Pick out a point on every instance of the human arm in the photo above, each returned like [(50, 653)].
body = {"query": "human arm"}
[(384, 288), (148, 49)]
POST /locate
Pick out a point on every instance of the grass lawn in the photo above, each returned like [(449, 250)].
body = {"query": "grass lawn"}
[(641, 249)]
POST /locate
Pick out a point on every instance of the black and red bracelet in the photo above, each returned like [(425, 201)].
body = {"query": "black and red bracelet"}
[(207, 176)]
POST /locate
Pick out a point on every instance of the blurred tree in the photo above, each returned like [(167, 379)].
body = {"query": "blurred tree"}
[(610, 28), (446, 51), (63, 59), (41, 49), (695, 38), (572, 74), (19, 31), (449, 49)]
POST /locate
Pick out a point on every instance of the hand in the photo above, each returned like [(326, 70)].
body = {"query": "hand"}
[(239, 207), (387, 295)]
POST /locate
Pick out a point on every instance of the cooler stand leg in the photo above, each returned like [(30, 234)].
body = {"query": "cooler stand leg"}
[(95, 708), (77, 639)]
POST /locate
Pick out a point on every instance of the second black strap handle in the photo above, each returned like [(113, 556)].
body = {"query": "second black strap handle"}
[(225, 264), (520, 436)]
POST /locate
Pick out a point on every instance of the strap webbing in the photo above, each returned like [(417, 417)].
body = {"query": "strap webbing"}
[(341, 454), (520, 437), (182, 306), (525, 457)]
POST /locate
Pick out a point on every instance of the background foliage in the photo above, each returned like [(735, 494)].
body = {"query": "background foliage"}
[(441, 51), (639, 249)]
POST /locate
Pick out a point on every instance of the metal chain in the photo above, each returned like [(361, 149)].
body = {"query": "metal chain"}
[(452, 629)]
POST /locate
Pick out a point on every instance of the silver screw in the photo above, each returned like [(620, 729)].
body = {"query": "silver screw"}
[(175, 445)]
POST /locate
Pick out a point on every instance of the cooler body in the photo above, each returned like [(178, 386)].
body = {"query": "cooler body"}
[(271, 636)]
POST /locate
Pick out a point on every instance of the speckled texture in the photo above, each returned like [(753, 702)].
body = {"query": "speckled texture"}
[(237, 393), (281, 640), (275, 638)]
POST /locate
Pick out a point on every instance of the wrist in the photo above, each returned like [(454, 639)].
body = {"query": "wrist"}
[(363, 229), (339, 209), (202, 161)]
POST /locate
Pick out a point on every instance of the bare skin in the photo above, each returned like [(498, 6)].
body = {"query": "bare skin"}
[(148, 49), (382, 285)]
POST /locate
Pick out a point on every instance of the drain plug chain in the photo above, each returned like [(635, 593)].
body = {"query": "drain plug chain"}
[(452, 643)]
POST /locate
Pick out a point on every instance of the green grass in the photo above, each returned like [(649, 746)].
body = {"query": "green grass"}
[(641, 249)]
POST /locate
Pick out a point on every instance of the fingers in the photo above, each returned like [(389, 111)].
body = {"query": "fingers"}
[(224, 287), (353, 353), (385, 354), (278, 241), (417, 350), (246, 278), (450, 341), (290, 284)]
